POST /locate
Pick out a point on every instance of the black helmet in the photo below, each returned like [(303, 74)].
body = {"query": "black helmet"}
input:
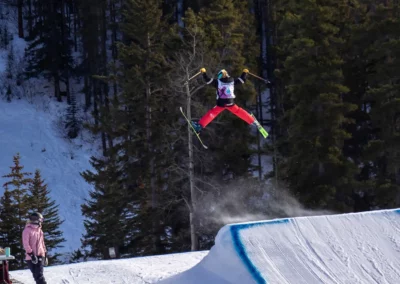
[(36, 217)]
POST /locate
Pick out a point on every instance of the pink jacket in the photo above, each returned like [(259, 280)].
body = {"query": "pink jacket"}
[(33, 240)]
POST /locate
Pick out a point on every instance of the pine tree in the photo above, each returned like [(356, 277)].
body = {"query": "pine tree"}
[(18, 186), (9, 94), (315, 112), (383, 102), (10, 70), (40, 201), (9, 231), (10, 63), (72, 124), (107, 212), (228, 38), (145, 78), (49, 50)]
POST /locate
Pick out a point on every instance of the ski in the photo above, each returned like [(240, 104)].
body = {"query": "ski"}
[(260, 128), (194, 131)]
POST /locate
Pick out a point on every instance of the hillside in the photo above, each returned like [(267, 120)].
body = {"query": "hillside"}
[(34, 133)]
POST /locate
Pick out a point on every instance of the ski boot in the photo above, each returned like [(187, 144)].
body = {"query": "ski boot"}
[(257, 124), (196, 126), (259, 127)]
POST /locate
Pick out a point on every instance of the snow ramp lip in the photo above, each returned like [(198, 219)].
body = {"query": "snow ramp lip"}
[(361, 247), (241, 249)]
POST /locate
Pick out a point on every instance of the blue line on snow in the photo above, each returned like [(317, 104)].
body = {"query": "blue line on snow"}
[(241, 250)]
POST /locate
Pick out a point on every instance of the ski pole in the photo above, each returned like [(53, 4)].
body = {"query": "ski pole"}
[(195, 75), (265, 80)]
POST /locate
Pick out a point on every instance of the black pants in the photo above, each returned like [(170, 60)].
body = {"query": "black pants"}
[(37, 271)]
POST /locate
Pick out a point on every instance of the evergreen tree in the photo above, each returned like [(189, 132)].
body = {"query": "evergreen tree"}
[(145, 141), (10, 63), (40, 201), (315, 112), (72, 124), (108, 211), (8, 94), (356, 68), (4, 36), (10, 72), (9, 231), (49, 50), (19, 187), (226, 32), (383, 102)]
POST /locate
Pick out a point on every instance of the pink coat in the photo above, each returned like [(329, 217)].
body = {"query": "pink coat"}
[(33, 240)]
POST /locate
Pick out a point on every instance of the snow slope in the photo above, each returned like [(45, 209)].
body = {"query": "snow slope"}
[(141, 270), (28, 129), (348, 248)]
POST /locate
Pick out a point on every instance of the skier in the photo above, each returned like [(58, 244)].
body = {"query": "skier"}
[(225, 86), (33, 242)]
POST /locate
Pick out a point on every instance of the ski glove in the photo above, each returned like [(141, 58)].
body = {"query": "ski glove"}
[(203, 70), (33, 258), (45, 260), (245, 70)]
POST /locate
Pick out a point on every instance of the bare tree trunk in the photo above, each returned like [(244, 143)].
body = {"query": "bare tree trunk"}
[(57, 93), (192, 205), (20, 19), (76, 16), (87, 89), (30, 24)]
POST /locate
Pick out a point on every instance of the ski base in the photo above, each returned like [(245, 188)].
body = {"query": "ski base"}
[(194, 131)]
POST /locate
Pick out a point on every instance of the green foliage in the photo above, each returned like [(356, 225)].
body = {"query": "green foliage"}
[(18, 200), (225, 34), (39, 201), (316, 111), (108, 211), (10, 234), (49, 50), (23, 196)]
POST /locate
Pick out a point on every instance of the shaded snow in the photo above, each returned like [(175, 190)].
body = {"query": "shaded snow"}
[(34, 133)]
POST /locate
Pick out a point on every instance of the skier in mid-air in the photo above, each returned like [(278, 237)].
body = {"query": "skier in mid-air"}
[(225, 86)]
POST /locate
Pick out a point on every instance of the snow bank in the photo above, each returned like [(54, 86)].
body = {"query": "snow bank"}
[(348, 248)]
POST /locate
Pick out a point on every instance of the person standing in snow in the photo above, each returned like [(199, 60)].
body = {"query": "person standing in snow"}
[(225, 86), (33, 242)]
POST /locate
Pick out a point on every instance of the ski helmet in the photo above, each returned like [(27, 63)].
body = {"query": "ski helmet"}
[(223, 74), (36, 217)]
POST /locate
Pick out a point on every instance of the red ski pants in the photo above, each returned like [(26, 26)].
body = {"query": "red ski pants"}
[(215, 111)]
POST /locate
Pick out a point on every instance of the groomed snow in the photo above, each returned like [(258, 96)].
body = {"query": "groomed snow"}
[(139, 270), (353, 248)]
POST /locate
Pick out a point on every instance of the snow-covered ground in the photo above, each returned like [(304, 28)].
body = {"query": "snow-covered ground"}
[(358, 248), (31, 130), (349, 248), (139, 270)]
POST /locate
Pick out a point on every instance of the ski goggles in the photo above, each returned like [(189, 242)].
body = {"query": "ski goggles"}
[(222, 73)]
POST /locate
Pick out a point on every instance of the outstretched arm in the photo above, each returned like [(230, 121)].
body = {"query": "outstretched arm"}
[(208, 80), (242, 78)]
